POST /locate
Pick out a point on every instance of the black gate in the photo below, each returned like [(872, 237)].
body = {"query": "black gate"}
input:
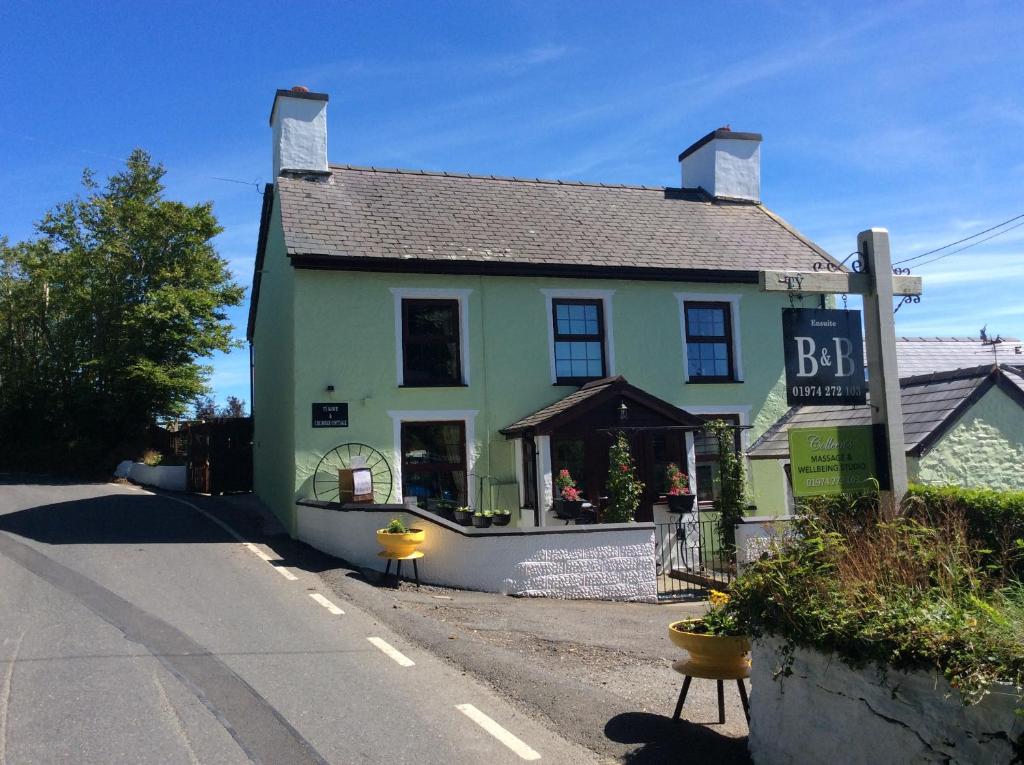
[(691, 559)]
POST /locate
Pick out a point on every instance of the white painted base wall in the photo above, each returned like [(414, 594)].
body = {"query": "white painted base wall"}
[(565, 562), (169, 477), (828, 712)]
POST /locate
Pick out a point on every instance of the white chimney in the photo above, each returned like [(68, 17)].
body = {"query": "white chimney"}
[(299, 121), (725, 164)]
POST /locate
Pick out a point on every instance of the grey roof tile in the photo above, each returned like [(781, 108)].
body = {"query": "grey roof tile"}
[(371, 213), (927, 403)]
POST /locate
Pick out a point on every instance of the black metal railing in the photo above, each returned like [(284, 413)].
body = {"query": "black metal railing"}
[(691, 558)]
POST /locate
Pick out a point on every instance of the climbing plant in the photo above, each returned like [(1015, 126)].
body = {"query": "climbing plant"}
[(623, 487), (732, 487)]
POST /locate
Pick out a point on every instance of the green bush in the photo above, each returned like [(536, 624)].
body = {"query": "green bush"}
[(910, 592), (995, 519)]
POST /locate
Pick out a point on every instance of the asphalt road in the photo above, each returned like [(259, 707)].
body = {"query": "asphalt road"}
[(135, 628)]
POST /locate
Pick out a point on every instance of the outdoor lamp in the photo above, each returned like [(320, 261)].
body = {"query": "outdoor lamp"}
[(623, 411)]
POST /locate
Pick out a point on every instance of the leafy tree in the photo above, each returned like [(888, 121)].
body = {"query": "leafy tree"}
[(623, 487), (235, 407), (104, 318), (204, 407)]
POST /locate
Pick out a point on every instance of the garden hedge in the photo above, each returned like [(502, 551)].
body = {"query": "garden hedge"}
[(995, 519)]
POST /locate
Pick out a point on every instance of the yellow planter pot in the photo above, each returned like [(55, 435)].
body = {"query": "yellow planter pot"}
[(400, 545), (717, 657)]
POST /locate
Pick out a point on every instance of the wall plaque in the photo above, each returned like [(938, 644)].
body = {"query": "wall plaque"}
[(330, 415)]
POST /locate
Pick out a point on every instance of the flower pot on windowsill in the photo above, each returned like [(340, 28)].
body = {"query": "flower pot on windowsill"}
[(482, 521), (680, 503), (501, 519), (463, 517), (718, 657)]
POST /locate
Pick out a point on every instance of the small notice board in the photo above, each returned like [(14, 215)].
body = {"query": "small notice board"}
[(355, 485), (330, 415), (832, 460)]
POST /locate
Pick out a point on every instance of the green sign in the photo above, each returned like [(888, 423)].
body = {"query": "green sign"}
[(831, 460)]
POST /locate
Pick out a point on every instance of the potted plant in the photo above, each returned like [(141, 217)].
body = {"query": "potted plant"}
[(482, 520), (571, 501), (463, 516), (399, 540), (680, 500), (502, 517), (717, 645)]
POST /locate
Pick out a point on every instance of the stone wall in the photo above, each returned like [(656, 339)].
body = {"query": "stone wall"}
[(599, 562), (828, 712), (985, 448)]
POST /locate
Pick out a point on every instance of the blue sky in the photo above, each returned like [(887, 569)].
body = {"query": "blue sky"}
[(908, 116)]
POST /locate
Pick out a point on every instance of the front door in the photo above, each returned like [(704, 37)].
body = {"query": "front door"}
[(653, 450)]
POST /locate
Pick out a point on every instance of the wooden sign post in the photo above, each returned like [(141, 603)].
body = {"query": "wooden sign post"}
[(878, 286)]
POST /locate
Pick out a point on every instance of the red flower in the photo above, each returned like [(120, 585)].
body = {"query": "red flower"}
[(623, 469)]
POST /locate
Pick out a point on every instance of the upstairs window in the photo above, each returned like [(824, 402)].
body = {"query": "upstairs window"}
[(709, 342), (430, 343), (579, 340)]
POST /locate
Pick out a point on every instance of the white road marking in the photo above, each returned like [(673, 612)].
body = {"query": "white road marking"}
[(277, 566), (326, 603), (257, 551), (401, 658), (284, 572), (508, 739)]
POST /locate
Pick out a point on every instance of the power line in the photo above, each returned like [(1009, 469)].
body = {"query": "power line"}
[(961, 241), (961, 249)]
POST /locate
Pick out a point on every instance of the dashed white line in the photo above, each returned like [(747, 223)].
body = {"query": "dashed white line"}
[(326, 603), (513, 742), (253, 548), (284, 572), (386, 648), (263, 556), (257, 551)]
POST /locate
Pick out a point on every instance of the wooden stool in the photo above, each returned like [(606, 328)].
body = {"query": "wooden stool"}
[(413, 556), (684, 667)]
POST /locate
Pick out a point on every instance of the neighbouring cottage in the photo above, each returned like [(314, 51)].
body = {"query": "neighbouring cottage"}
[(963, 420), (482, 333)]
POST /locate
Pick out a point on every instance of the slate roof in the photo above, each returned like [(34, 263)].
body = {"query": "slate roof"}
[(367, 217), (923, 355), (931, 403), (589, 393)]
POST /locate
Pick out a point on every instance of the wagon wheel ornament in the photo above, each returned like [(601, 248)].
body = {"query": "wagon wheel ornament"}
[(325, 478)]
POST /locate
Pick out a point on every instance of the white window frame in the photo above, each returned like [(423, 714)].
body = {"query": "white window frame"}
[(466, 416), (734, 315), (605, 296), (430, 293)]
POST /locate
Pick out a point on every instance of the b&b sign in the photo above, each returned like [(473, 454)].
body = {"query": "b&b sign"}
[(824, 356)]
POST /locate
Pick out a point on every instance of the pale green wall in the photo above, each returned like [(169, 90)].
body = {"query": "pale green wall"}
[(345, 337), (273, 389), (985, 448), (768, 486)]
